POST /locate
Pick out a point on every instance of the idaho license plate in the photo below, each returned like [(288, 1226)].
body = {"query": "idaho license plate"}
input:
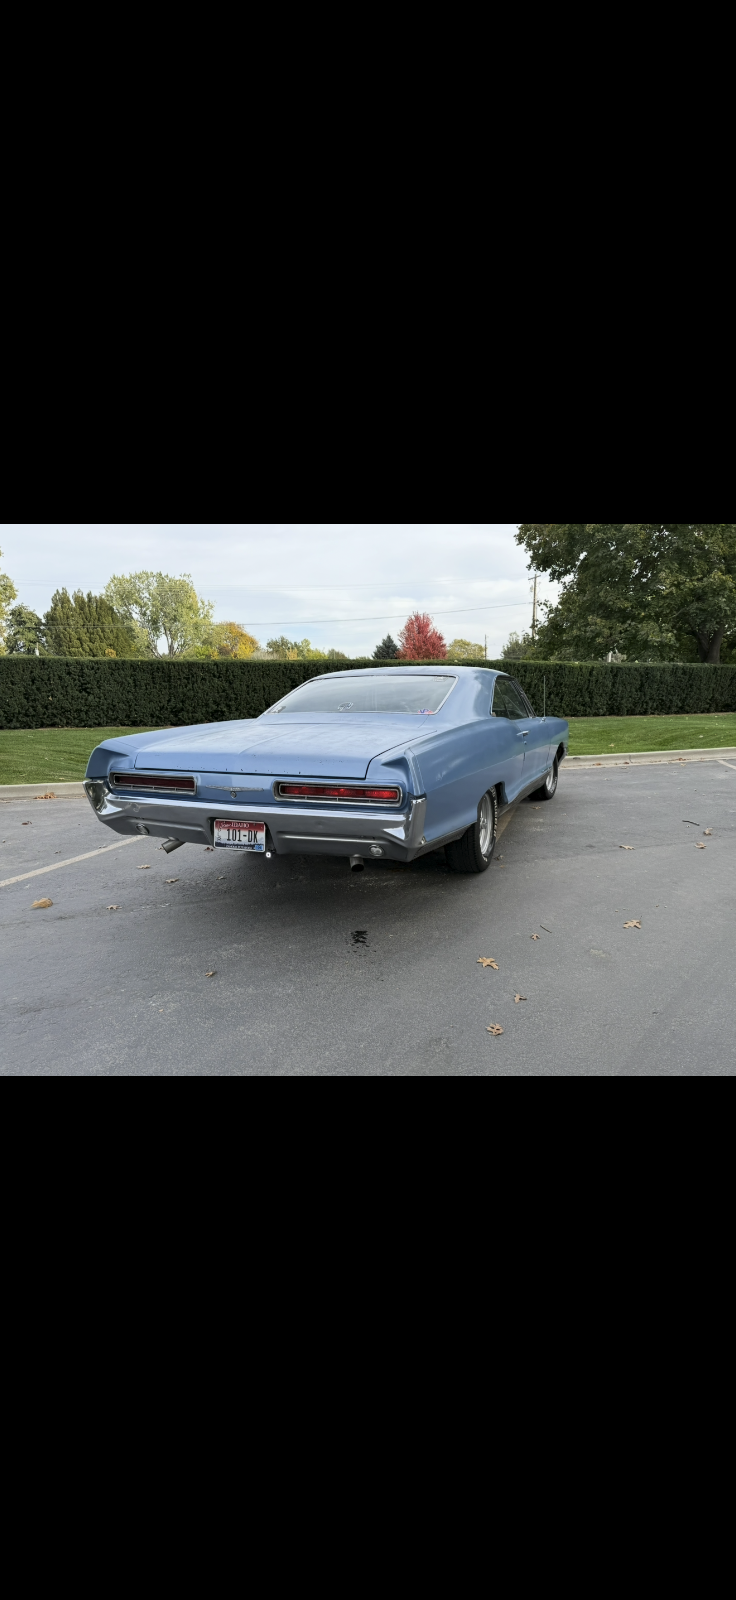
[(240, 836)]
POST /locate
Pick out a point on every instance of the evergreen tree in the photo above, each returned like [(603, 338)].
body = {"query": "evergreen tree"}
[(86, 625), (24, 633), (387, 651)]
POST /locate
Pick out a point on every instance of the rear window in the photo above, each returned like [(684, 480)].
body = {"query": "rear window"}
[(415, 697)]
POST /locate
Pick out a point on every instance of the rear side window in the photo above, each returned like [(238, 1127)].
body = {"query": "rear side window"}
[(507, 701), (527, 702)]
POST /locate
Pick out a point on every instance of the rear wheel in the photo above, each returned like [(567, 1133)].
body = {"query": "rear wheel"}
[(474, 852), (548, 789)]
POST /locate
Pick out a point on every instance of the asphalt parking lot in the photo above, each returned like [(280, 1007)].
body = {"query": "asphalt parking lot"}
[(319, 971)]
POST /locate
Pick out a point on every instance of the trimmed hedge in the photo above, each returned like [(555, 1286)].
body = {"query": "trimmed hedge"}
[(64, 692), (594, 689)]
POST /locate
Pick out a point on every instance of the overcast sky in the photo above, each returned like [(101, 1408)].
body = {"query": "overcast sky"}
[(340, 584)]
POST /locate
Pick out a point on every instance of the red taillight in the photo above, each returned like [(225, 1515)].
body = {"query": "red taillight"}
[(338, 791), (139, 780)]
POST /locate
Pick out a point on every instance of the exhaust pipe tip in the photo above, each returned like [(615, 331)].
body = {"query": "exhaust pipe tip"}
[(357, 864), (172, 844)]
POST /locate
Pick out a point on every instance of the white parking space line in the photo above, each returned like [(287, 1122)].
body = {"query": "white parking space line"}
[(728, 764), (37, 871)]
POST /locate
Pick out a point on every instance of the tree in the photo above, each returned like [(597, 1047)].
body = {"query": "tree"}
[(517, 648), (86, 625), (337, 655), (646, 590), (387, 651), (420, 641), (230, 639), (161, 607), (25, 636), (8, 593), (283, 649), (464, 650)]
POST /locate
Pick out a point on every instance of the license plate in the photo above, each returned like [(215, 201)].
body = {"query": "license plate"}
[(240, 836)]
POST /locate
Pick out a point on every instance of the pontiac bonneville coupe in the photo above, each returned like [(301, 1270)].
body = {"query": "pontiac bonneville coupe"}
[(389, 763)]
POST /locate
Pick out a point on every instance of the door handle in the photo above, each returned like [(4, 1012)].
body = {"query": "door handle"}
[(523, 735)]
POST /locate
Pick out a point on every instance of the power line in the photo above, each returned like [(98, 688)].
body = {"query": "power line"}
[(395, 616)]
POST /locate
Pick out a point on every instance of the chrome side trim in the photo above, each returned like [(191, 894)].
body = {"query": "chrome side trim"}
[(326, 838)]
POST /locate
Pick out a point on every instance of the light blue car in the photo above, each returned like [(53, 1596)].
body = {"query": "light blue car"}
[(385, 764)]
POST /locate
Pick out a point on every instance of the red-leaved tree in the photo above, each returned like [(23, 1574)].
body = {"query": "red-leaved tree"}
[(420, 641)]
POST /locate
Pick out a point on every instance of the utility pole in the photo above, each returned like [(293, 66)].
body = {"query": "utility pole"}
[(485, 652), (534, 612)]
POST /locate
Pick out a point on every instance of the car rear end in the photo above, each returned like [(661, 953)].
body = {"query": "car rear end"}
[(382, 816)]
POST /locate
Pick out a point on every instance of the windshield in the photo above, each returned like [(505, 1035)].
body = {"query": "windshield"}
[(416, 697)]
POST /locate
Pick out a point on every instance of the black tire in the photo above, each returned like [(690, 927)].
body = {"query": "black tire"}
[(549, 788), (474, 852)]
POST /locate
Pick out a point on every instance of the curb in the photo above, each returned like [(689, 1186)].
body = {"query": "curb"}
[(42, 791), (651, 758), (637, 758)]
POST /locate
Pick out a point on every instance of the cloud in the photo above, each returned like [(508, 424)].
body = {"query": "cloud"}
[(341, 584)]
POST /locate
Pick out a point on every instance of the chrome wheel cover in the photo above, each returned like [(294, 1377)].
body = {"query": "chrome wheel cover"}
[(485, 820), (551, 783)]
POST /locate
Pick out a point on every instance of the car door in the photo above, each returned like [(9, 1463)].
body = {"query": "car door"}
[(510, 733), (536, 745)]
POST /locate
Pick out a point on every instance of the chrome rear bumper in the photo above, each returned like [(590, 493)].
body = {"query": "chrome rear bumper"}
[(294, 830)]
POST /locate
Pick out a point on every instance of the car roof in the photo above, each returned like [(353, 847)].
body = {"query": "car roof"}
[(444, 669)]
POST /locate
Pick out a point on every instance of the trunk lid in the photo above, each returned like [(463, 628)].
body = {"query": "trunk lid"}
[(311, 749)]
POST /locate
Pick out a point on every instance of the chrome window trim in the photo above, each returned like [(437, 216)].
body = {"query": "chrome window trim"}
[(526, 699), (330, 800), (276, 710)]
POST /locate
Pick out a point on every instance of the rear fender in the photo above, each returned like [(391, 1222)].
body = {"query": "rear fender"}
[(404, 767)]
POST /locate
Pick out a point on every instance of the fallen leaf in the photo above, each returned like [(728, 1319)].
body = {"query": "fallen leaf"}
[(534, 935), (144, 869), (209, 847), (211, 974), (708, 833), (172, 880), (701, 847), (113, 908), (626, 847), (495, 1030), (41, 905), (485, 961), (518, 997), (632, 924), (26, 824), (45, 796)]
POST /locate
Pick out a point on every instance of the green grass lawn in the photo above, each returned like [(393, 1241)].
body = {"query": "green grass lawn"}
[(56, 755), (595, 736), (60, 755)]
